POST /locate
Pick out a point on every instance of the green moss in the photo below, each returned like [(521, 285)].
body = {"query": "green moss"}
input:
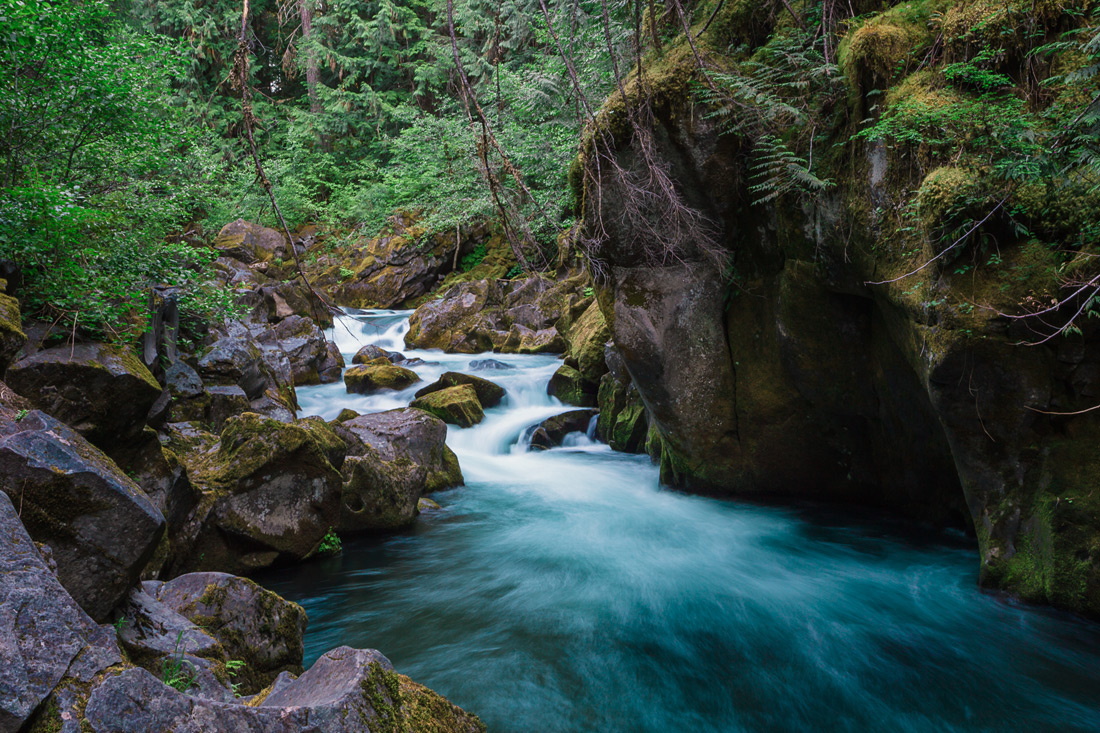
[(884, 45), (382, 690)]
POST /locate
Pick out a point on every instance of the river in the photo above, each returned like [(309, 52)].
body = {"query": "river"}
[(566, 591)]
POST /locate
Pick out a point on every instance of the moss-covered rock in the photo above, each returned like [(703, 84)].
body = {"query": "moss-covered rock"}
[(456, 405), (248, 242), (378, 375), (269, 493), (572, 387), (587, 338), (12, 337), (104, 392), (550, 432), (489, 394), (250, 624)]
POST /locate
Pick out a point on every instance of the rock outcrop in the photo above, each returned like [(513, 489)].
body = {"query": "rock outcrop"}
[(513, 316), (819, 368)]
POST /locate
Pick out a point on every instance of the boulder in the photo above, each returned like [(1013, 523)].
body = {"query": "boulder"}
[(623, 423), (405, 433), (479, 365), (100, 526), (249, 623), (165, 643), (550, 432), (43, 632), (269, 492), (305, 346), (586, 339), (572, 388), (248, 242), (104, 392), (380, 494), (379, 374), (182, 381), (370, 352), (488, 393), (523, 340), (456, 405), (12, 337), (332, 366), (346, 691)]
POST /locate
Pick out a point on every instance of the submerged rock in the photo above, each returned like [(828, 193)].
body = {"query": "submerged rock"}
[(456, 405), (488, 393), (478, 365)]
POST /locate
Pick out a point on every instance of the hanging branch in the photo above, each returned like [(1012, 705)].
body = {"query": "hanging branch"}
[(241, 67), (469, 100)]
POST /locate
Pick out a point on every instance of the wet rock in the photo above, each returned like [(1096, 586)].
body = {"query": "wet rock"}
[(456, 405), (478, 365), (306, 348), (488, 393), (237, 360), (378, 375), (572, 388), (332, 366), (587, 339), (101, 528), (43, 631), (103, 392), (249, 623), (623, 422), (427, 505), (406, 433), (380, 494), (370, 352), (550, 432), (269, 492)]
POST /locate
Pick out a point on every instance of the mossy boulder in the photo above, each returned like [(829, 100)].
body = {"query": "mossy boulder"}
[(378, 375), (622, 421), (270, 492), (104, 392), (250, 623), (572, 387), (100, 526), (12, 337), (489, 394), (248, 242), (587, 339), (380, 494), (455, 405), (370, 352)]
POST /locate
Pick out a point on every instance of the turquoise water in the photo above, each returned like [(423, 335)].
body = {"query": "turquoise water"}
[(564, 591)]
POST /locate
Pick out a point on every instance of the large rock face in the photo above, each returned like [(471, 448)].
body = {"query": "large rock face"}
[(100, 526), (12, 337), (104, 392), (269, 492), (42, 630), (801, 377)]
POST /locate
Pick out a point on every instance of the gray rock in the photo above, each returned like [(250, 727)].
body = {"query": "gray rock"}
[(105, 393), (42, 629), (478, 365), (250, 623), (182, 380), (409, 434), (100, 526), (550, 432)]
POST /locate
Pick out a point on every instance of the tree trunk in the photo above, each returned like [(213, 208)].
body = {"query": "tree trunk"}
[(313, 72)]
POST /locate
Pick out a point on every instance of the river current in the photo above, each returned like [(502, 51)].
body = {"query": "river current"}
[(566, 591)]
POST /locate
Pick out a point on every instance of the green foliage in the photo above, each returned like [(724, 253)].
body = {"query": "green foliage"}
[(98, 168), (472, 259), (331, 544), (777, 99), (176, 671), (233, 667), (21, 414)]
